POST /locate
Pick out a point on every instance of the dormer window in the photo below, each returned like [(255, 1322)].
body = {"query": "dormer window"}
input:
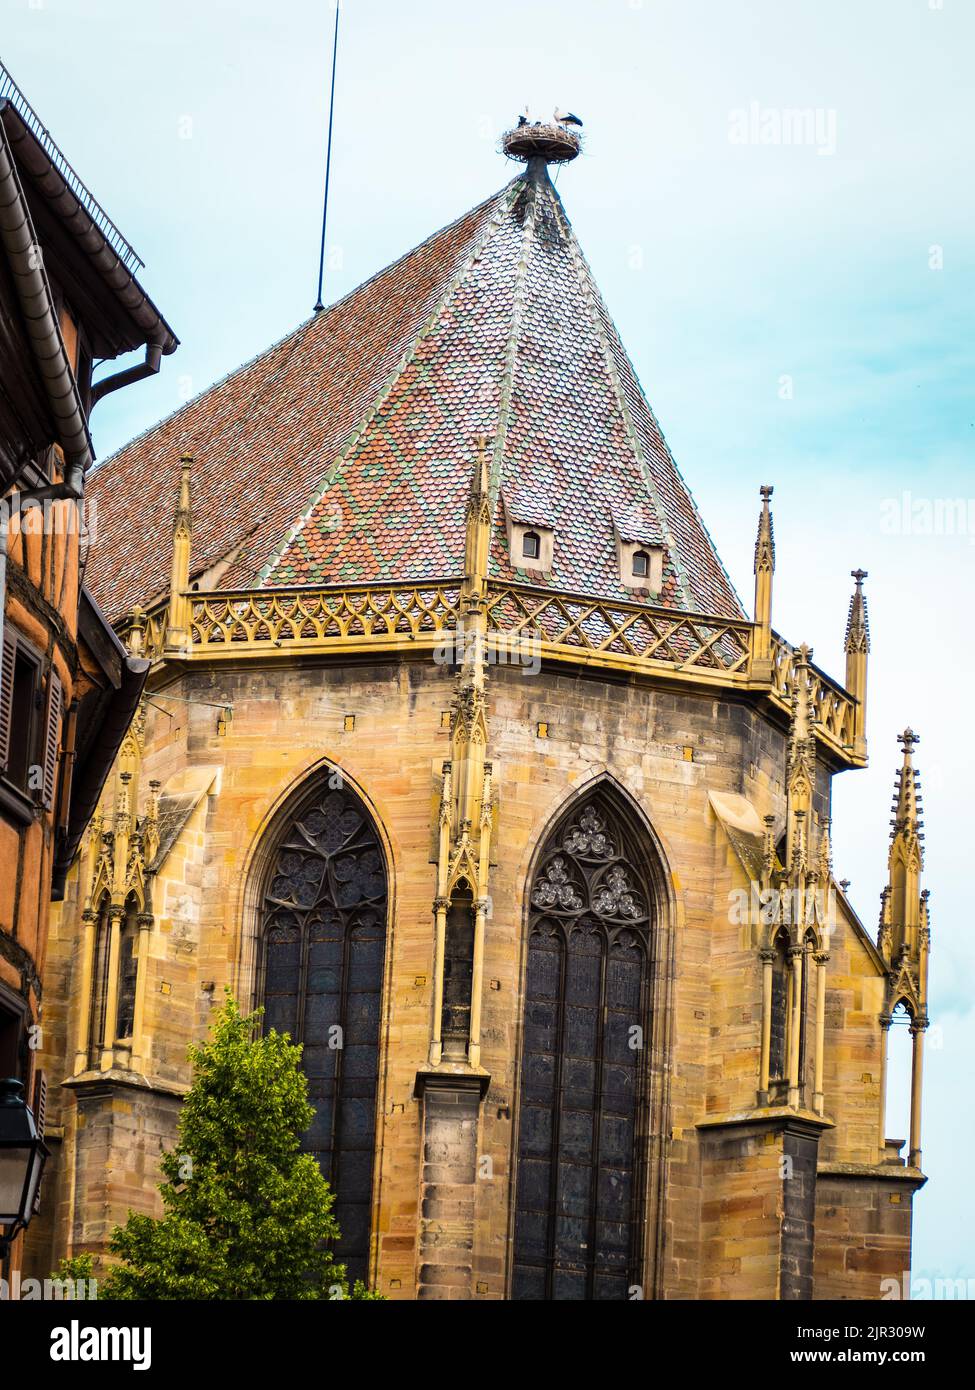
[(531, 540), (641, 565)]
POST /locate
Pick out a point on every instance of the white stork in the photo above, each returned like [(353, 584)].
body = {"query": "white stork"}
[(566, 118)]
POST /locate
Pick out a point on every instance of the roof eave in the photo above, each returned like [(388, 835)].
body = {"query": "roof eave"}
[(46, 181)]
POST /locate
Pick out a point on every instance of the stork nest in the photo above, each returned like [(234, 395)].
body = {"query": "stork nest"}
[(554, 143)]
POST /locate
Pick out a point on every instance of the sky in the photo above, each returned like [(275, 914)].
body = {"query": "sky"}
[(797, 298)]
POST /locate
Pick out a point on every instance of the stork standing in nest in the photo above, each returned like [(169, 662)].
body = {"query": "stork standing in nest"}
[(566, 118)]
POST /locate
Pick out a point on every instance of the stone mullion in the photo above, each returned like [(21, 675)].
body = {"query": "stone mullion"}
[(885, 1022), (917, 1065)]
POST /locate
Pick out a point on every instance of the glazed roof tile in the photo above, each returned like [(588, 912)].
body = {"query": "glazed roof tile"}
[(343, 453)]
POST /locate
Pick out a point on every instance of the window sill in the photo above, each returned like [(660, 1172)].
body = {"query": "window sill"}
[(16, 805)]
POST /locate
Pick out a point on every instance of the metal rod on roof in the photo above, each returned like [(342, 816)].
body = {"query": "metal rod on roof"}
[(319, 305)]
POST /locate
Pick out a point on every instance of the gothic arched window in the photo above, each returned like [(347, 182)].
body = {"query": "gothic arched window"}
[(128, 971), (582, 1131), (781, 1010), (98, 1001), (324, 944)]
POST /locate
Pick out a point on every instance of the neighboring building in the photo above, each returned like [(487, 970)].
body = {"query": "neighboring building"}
[(461, 757), (68, 689)]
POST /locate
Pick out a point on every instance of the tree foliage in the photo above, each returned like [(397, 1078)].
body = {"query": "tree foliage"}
[(246, 1215)]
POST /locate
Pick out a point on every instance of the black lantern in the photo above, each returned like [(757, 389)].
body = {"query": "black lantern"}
[(22, 1157)]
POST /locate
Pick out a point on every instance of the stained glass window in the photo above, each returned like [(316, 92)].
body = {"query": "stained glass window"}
[(324, 943), (583, 1125)]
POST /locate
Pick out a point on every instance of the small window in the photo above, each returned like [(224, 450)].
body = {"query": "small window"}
[(531, 545), (641, 565)]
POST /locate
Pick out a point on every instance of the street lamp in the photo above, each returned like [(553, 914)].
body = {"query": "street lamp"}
[(22, 1157)]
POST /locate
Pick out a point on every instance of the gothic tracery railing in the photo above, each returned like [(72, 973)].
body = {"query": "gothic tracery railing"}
[(699, 649)]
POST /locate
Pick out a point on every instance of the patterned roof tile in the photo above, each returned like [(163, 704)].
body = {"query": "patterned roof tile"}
[(343, 453)]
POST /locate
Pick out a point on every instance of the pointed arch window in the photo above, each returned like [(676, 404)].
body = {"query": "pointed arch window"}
[(583, 1124), (128, 969), (98, 1001), (323, 937), (781, 1011), (458, 974)]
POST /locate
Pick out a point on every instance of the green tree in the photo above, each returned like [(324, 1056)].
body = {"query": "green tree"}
[(247, 1215)]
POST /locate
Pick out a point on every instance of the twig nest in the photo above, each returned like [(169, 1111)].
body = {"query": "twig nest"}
[(554, 143)]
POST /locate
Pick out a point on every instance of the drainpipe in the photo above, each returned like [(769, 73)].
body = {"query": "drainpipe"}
[(43, 330), (129, 375)]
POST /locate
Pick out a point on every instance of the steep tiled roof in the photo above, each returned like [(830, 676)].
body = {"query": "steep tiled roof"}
[(343, 453)]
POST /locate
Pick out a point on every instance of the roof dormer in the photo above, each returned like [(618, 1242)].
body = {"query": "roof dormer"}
[(529, 520), (639, 549)]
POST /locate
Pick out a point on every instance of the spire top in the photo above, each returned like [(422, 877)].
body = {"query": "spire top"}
[(908, 741), (907, 825), (857, 637), (177, 624), (765, 542), (479, 486), (183, 518), (825, 858)]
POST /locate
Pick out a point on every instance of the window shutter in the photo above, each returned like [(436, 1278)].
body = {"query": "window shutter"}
[(40, 1101), (51, 731), (6, 693), (40, 1112)]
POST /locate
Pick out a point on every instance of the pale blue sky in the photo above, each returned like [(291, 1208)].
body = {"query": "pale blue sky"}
[(728, 266)]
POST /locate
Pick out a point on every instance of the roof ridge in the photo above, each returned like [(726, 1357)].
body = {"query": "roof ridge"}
[(514, 339), (592, 296), (301, 327), (503, 200)]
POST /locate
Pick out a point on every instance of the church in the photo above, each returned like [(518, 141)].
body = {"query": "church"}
[(461, 757)]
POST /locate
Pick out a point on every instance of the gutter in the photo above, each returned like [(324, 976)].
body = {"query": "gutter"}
[(86, 231), (41, 320)]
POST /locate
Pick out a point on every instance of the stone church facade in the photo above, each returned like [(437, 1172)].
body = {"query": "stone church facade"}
[(461, 757)]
